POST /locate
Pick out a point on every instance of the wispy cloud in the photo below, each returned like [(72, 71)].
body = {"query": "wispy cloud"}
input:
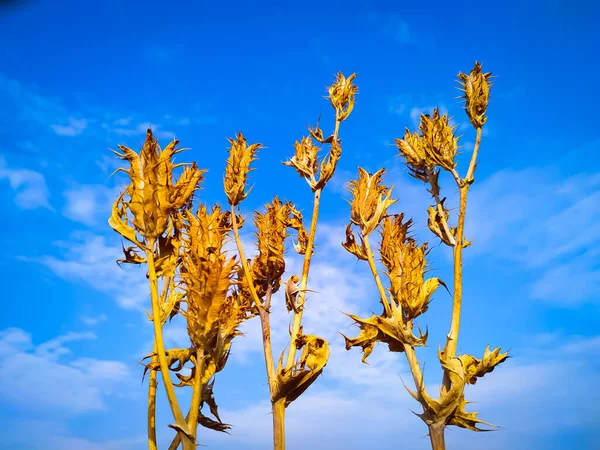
[(89, 204), (43, 378), (28, 186), (74, 128)]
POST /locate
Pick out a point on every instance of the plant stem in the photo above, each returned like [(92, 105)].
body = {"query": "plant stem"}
[(463, 185), (436, 436), (152, 384), (304, 280), (197, 393), (188, 444), (279, 424), (375, 272), (264, 314)]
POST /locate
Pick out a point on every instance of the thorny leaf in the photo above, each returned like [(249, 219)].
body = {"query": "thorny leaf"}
[(295, 222), (131, 256), (176, 359), (350, 244), (435, 222), (293, 381), (477, 368), (328, 165), (392, 331)]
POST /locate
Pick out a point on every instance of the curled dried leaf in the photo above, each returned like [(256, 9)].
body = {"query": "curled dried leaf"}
[(350, 244)]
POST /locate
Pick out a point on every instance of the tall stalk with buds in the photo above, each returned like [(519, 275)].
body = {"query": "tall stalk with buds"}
[(290, 378), (427, 152), (189, 274)]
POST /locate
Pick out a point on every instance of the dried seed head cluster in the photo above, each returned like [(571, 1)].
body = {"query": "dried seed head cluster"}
[(151, 196), (206, 273), (238, 168), (272, 225), (370, 200), (436, 145), (476, 89)]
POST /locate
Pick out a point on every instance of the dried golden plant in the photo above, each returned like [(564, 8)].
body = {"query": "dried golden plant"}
[(185, 256), (263, 274), (434, 148)]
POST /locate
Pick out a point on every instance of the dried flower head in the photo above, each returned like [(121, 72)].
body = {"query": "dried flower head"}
[(206, 274), (151, 196), (476, 89), (370, 200), (238, 167), (406, 266), (341, 95), (439, 141), (305, 160), (412, 148), (269, 264)]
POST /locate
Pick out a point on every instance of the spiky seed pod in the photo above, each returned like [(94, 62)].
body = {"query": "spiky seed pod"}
[(406, 266), (341, 95), (439, 141), (305, 160), (206, 275), (412, 148), (269, 264), (238, 167), (153, 197), (476, 88), (370, 200)]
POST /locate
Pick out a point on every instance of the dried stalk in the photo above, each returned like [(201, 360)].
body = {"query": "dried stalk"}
[(426, 153)]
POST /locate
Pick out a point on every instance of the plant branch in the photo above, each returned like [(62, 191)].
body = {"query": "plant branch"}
[(264, 314), (188, 444), (375, 272), (197, 393)]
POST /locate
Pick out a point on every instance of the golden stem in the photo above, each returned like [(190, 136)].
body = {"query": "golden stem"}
[(188, 444), (452, 338), (297, 322), (375, 272), (440, 209), (197, 393), (264, 314), (304, 280), (279, 424), (152, 384), (436, 436)]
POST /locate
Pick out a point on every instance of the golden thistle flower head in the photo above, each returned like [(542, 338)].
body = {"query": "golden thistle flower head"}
[(412, 148), (439, 141), (269, 264), (305, 160), (406, 266), (476, 89), (206, 273), (370, 200), (238, 167), (152, 195), (341, 95)]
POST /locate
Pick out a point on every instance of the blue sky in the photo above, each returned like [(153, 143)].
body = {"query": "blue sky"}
[(81, 77)]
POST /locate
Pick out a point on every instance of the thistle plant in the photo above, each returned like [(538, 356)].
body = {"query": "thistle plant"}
[(427, 152), (292, 375), (189, 273)]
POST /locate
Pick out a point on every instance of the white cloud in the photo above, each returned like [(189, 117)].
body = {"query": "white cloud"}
[(89, 204), (29, 186), (89, 259), (74, 128), (37, 378), (92, 321)]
